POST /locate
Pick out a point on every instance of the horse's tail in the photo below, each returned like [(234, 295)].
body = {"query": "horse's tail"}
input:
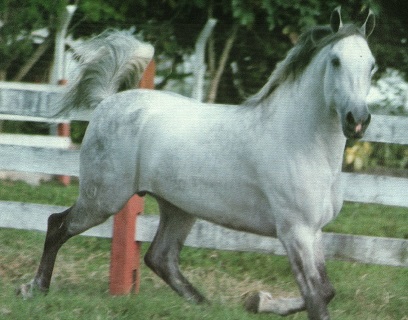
[(111, 62)]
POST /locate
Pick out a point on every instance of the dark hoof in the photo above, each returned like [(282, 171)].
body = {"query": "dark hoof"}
[(251, 303)]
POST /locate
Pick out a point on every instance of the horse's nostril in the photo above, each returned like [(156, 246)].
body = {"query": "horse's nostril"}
[(350, 118)]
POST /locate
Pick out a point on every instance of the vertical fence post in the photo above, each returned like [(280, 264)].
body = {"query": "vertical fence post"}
[(124, 271), (64, 130), (125, 252)]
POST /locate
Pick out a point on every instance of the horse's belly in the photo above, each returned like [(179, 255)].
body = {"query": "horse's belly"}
[(234, 206)]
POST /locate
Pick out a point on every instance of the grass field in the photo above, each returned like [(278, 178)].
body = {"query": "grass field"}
[(80, 284)]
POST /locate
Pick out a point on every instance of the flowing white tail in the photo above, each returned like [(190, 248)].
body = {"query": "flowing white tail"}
[(111, 62)]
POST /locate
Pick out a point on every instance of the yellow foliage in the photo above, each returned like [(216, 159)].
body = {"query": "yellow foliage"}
[(358, 155)]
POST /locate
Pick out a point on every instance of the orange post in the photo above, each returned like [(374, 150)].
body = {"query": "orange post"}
[(147, 81), (125, 252), (64, 130)]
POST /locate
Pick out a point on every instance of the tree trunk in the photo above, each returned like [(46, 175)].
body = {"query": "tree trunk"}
[(212, 95), (200, 67), (211, 56), (211, 46), (33, 59), (3, 74)]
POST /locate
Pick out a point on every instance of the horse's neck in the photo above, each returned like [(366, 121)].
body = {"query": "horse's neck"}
[(300, 112)]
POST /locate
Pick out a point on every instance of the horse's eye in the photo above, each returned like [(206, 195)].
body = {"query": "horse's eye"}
[(335, 62)]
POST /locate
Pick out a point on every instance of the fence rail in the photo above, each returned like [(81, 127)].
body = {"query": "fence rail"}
[(365, 249), (34, 102), (358, 187)]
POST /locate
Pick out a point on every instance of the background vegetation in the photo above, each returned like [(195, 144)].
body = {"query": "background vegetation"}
[(261, 32), (264, 31)]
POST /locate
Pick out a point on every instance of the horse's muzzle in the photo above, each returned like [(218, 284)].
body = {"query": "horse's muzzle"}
[(355, 129)]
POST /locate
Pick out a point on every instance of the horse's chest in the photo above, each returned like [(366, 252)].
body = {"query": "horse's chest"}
[(303, 190)]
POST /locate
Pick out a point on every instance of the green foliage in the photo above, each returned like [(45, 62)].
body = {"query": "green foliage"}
[(78, 129), (173, 27), (25, 127), (101, 10), (242, 11), (389, 40), (389, 155), (371, 156), (19, 19), (279, 13)]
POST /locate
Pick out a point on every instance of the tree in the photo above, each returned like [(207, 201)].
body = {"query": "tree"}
[(19, 51), (390, 39), (266, 29), (17, 22), (252, 36)]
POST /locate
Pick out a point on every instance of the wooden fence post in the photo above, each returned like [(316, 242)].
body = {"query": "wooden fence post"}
[(125, 253), (64, 130)]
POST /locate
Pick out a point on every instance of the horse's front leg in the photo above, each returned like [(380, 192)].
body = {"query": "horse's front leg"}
[(305, 252)]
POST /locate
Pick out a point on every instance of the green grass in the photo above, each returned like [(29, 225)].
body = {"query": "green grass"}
[(46, 193), (51, 193), (371, 220), (80, 284)]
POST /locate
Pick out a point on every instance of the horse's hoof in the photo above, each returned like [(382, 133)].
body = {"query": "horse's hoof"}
[(28, 290), (253, 301), (25, 291)]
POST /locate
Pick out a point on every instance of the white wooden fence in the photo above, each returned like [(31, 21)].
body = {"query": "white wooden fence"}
[(33, 102)]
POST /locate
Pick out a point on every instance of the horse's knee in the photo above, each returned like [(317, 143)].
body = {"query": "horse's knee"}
[(57, 231), (57, 220)]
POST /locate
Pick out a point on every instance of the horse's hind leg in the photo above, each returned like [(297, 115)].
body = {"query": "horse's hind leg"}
[(163, 254), (56, 236), (61, 227)]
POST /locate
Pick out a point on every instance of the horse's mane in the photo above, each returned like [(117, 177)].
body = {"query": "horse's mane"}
[(299, 57)]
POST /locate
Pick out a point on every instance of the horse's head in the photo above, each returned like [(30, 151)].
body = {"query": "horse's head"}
[(349, 68)]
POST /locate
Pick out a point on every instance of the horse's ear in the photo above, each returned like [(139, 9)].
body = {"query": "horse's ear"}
[(335, 20), (368, 26)]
